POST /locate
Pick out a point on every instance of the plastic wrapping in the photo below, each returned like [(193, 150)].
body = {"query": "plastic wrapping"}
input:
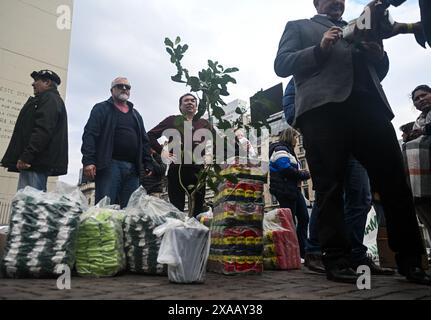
[(143, 214), (100, 248), (244, 168), (281, 248), (236, 229), (246, 190), (4, 230), (185, 249), (206, 218), (43, 231)]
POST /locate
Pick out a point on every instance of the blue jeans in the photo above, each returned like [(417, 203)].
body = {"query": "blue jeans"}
[(357, 204), (118, 182), (33, 179)]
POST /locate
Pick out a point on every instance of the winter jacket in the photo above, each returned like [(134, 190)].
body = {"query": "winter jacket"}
[(98, 137), (177, 123), (289, 102), (40, 136), (284, 173)]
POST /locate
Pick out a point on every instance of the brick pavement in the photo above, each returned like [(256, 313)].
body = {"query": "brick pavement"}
[(272, 285)]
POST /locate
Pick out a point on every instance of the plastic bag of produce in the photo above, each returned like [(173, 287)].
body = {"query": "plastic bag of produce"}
[(144, 213), (185, 249), (43, 231), (4, 230), (281, 248), (236, 228), (100, 248)]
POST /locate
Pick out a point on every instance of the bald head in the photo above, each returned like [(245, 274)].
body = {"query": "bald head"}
[(119, 80)]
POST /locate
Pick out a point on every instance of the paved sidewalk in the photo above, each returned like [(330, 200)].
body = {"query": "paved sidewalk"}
[(272, 285)]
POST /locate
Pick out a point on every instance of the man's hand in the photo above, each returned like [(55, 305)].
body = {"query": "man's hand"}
[(21, 165), (305, 173), (148, 173), (168, 157), (373, 51), (90, 172), (330, 38)]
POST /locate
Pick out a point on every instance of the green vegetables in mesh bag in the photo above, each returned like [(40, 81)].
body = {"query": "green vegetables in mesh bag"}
[(100, 249)]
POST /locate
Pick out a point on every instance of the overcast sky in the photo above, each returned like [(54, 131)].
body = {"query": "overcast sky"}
[(112, 38)]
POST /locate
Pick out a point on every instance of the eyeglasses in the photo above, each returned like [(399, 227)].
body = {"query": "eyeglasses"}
[(123, 86)]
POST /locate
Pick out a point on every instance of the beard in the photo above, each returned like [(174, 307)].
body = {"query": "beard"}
[(122, 97)]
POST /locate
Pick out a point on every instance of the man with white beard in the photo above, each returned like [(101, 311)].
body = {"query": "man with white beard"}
[(115, 145)]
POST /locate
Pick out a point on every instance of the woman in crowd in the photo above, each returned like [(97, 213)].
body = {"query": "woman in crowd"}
[(285, 181), (417, 154), (421, 97)]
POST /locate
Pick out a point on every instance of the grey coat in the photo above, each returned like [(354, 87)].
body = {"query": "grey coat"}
[(326, 81)]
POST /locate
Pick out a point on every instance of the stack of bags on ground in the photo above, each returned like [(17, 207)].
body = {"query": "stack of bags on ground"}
[(144, 214), (43, 232), (281, 248), (185, 248), (100, 249), (236, 229)]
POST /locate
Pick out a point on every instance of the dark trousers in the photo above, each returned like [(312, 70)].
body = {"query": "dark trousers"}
[(175, 190), (357, 204), (359, 127), (299, 210)]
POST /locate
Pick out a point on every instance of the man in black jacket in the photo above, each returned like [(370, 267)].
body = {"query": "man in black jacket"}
[(115, 145), (39, 144)]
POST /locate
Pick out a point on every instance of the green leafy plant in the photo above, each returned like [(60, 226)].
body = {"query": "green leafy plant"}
[(210, 85)]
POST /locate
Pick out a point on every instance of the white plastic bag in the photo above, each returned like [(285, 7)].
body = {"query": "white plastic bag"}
[(144, 213), (370, 237), (185, 249)]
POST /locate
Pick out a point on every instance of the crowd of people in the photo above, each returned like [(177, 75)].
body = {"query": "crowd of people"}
[(336, 102)]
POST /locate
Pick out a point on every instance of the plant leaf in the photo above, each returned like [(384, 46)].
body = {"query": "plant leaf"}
[(230, 70), (169, 42)]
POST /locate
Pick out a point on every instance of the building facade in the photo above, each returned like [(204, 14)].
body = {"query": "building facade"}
[(34, 35)]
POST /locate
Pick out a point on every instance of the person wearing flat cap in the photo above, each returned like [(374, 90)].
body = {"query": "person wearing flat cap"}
[(39, 144)]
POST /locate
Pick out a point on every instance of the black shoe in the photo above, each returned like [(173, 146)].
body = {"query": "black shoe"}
[(314, 262), (417, 275), (345, 275), (375, 269)]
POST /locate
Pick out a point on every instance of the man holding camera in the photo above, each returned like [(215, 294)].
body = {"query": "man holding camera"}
[(115, 145), (342, 111)]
